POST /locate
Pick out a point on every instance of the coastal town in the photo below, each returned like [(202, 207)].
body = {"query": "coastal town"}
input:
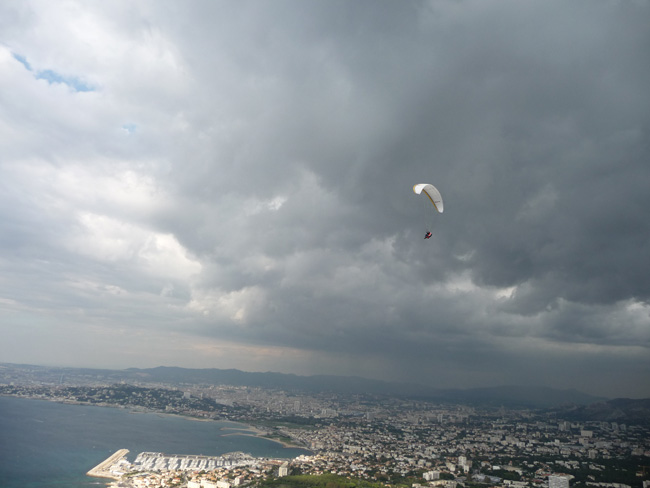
[(413, 452), (389, 440)]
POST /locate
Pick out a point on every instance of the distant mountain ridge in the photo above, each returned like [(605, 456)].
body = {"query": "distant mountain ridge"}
[(507, 396), (619, 410), (520, 396)]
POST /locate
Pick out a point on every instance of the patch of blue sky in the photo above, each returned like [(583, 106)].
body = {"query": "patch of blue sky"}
[(130, 128), (22, 60), (53, 77), (72, 81)]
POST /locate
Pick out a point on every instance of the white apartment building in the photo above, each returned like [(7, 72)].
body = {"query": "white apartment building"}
[(558, 481), (433, 475)]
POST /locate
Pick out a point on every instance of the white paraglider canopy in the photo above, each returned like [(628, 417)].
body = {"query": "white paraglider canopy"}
[(431, 192)]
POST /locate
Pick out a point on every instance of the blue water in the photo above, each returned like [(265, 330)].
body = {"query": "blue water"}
[(46, 444)]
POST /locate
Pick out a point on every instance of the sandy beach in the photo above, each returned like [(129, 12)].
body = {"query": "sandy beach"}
[(262, 434)]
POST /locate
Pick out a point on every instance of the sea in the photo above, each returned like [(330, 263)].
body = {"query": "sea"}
[(44, 444)]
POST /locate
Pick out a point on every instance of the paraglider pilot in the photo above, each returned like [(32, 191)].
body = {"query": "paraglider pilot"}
[(427, 235)]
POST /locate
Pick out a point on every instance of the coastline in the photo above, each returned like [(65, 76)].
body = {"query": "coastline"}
[(248, 430), (252, 431), (285, 444), (80, 437)]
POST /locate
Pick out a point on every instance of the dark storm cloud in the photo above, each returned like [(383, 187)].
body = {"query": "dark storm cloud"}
[(241, 178)]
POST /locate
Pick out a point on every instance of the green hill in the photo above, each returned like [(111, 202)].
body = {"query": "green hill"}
[(318, 481)]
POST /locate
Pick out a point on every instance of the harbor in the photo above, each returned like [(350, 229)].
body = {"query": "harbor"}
[(156, 461), (117, 464)]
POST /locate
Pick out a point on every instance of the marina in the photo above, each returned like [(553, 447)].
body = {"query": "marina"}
[(156, 461), (116, 465)]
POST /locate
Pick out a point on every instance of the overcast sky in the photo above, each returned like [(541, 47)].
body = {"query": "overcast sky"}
[(229, 184)]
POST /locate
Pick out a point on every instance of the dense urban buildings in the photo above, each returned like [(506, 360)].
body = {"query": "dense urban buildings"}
[(391, 440)]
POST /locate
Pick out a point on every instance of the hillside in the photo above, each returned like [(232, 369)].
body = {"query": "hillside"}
[(620, 410)]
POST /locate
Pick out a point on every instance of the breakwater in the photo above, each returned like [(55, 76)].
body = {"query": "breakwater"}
[(110, 468)]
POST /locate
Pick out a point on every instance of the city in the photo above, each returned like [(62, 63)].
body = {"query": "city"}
[(388, 440)]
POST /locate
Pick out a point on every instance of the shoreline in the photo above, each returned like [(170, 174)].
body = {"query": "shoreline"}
[(285, 444), (249, 430)]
